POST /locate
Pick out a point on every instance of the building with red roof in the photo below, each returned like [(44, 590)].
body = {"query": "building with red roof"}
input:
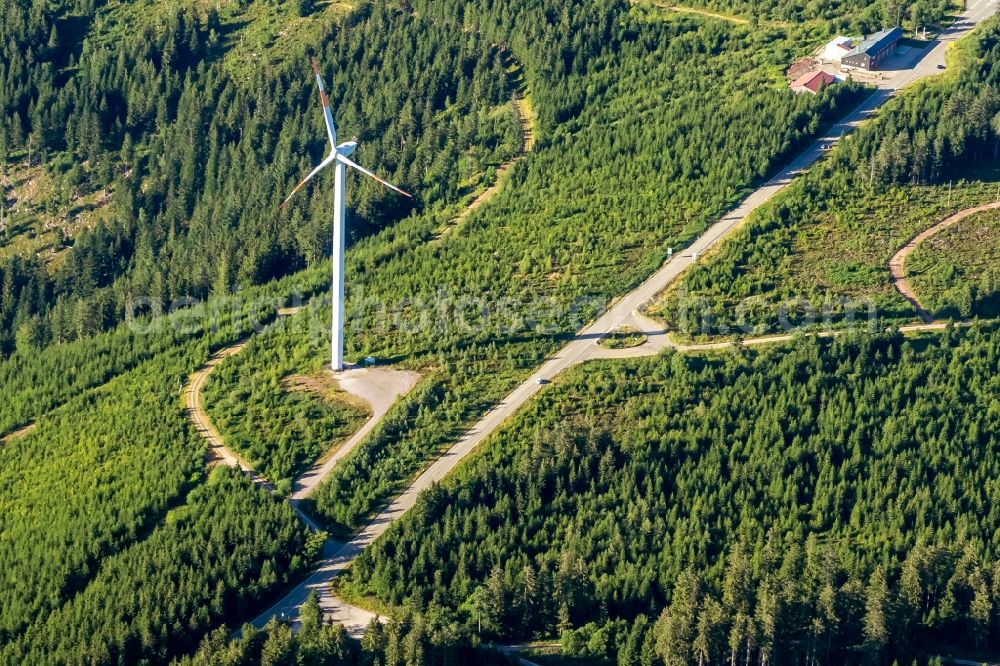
[(813, 81)]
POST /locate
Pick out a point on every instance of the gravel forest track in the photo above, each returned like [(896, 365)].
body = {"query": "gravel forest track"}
[(379, 388), (17, 434), (218, 452), (526, 118), (897, 265)]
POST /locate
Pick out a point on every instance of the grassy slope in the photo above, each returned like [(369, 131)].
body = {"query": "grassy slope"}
[(946, 265), (835, 255), (253, 34), (41, 205), (279, 431)]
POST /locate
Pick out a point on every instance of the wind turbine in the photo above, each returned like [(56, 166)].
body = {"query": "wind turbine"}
[(338, 156)]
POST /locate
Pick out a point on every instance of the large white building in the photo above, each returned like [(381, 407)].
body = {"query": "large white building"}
[(836, 49)]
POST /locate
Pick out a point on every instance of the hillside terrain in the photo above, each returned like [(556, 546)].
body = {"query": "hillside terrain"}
[(474, 314), (819, 253), (745, 540), (956, 271), (822, 500), (799, 502)]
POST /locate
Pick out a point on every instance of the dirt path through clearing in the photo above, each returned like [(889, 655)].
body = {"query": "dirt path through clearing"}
[(20, 432), (218, 451), (897, 265), (526, 117)]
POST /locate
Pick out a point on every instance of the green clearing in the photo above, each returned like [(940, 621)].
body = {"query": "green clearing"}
[(956, 272), (53, 206), (818, 266), (249, 35), (279, 430)]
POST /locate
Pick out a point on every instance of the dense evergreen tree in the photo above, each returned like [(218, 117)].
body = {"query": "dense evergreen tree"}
[(792, 504), (229, 547), (198, 160)]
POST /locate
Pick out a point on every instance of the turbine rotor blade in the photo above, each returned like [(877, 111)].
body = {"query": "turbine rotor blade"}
[(355, 165), (331, 130), (322, 165)]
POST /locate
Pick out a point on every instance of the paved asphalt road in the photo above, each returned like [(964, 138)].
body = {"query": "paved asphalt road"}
[(583, 345)]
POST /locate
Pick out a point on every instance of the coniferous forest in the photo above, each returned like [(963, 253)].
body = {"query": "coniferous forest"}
[(825, 501), (820, 502), (195, 161)]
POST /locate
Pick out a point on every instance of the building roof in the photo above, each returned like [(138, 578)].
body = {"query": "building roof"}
[(841, 42), (876, 42), (814, 81)]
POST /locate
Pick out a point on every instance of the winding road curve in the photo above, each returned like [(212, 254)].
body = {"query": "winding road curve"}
[(897, 265), (379, 388), (218, 451), (338, 557)]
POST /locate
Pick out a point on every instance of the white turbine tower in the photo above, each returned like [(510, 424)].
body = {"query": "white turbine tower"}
[(339, 155)]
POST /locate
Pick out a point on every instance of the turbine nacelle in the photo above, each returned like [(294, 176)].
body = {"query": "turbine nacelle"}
[(347, 148), (338, 153)]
